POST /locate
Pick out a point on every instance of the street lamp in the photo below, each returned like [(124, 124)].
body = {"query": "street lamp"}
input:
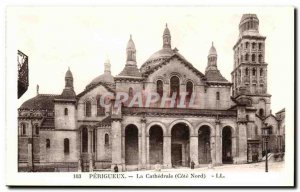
[(266, 136)]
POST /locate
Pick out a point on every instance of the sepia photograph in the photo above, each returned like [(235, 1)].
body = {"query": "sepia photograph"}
[(150, 96)]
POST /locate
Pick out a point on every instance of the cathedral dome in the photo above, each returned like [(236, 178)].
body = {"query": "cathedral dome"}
[(157, 58), (161, 54), (104, 78), (40, 102)]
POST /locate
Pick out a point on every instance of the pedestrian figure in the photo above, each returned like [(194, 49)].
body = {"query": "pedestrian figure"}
[(192, 165), (116, 169), (157, 166)]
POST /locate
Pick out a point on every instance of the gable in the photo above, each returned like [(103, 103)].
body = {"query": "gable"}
[(92, 93), (178, 67)]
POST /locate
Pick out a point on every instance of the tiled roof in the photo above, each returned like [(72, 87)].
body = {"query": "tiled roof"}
[(105, 122), (180, 57), (41, 101), (109, 87), (48, 123), (130, 71), (214, 75), (68, 94)]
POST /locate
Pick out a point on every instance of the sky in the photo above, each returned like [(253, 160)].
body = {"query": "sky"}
[(81, 38)]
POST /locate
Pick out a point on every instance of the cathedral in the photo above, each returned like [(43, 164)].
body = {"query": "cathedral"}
[(74, 132)]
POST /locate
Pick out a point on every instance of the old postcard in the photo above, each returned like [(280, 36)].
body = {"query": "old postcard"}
[(150, 96)]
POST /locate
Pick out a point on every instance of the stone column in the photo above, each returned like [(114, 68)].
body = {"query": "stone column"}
[(80, 142), (79, 166), (218, 144), (233, 147), (116, 153), (123, 152), (29, 152), (213, 149), (148, 152), (139, 151), (90, 149), (167, 151), (194, 149), (91, 165), (242, 140), (90, 136), (143, 143)]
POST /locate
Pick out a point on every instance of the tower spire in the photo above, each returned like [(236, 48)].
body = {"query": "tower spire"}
[(107, 65), (131, 52), (167, 38), (69, 79), (212, 58), (37, 89)]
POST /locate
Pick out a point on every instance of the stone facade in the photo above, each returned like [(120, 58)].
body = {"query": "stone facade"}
[(74, 132)]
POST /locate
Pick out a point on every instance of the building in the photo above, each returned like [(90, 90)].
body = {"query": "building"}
[(23, 82), (72, 131)]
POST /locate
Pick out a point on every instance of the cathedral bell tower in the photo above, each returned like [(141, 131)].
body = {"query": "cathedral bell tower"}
[(249, 75)]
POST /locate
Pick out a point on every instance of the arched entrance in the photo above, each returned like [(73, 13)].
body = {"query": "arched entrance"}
[(226, 145), (204, 155), (131, 145), (156, 145), (180, 145)]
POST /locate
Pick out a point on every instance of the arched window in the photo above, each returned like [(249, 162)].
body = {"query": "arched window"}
[(106, 139), (246, 57), (247, 45), (174, 88), (260, 58), (247, 71), (218, 96), (130, 92), (261, 72), (253, 45), (66, 111), (23, 129), (241, 58), (247, 117), (160, 88), (189, 90), (88, 108), (253, 57), (66, 145), (261, 112), (100, 108), (253, 71), (47, 143), (36, 129)]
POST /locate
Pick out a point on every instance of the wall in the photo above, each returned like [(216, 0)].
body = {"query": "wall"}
[(56, 151)]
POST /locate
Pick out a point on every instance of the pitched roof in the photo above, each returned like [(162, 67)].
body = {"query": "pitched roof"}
[(68, 94), (47, 123), (109, 87), (214, 75), (105, 122), (41, 101), (130, 71), (166, 61)]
